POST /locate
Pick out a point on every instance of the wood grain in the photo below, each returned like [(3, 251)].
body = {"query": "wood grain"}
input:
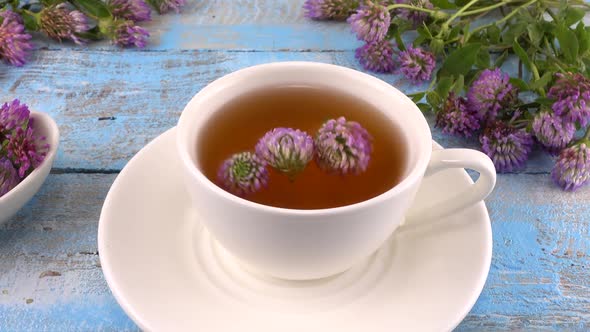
[(237, 25), (539, 277)]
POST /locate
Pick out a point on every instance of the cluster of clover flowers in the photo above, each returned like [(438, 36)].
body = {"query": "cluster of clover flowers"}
[(75, 20), (470, 94), (21, 151), (339, 147)]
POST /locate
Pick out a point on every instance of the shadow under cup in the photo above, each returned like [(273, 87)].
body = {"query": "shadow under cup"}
[(297, 243)]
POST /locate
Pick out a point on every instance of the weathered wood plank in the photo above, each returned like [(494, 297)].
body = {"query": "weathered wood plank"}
[(50, 275), (237, 25), (539, 277), (110, 104), (96, 314)]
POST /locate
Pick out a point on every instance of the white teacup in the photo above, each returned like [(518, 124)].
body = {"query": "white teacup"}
[(309, 244)]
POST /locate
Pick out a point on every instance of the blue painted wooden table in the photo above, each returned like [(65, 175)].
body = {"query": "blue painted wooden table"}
[(109, 103)]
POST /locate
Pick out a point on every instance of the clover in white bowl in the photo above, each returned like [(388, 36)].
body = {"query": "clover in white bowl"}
[(28, 144)]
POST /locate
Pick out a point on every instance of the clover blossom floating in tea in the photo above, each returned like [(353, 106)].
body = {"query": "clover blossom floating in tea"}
[(308, 147), (287, 150), (243, 173), (343, 147)]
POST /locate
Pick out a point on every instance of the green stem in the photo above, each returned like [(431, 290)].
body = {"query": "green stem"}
[(431, 84), (556, 61), (571, 3), (423, 92), (528, 105), (560, 68), (553, 49), (502, 11), (37, 15), (502, 20), (445, 26), (460, 12), (486, 9), (550, 12), (537, 77), (587, 134), (549, 47), (520, 122), (420, 9), (534, 69), (515, 11), (483, 12), (498, 48), (105, 26), (450, 41)]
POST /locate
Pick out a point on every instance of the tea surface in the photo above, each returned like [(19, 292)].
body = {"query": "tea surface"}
[(239, 125)]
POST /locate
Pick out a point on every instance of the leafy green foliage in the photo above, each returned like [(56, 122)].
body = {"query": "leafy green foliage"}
[(460, 61), (568, 43), (94, 8), (546, 37), (543, 37)]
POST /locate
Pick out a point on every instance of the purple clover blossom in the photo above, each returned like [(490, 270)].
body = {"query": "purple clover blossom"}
[(415, 16), (343, 147), (129, 34), (490, 93), (13, 115), (164, 6), (376, 56), (287, 150), (134, 10), (572, 169), (416, 64), (572, 97), (329, 9), (456, 118), (552, 131), (243, 173), (59, 22), (8, 176), (370, 22), (508, 147), (25, 150), (14, 41), (11, 16)]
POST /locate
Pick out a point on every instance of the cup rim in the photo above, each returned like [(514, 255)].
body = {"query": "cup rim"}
[(417, 171)]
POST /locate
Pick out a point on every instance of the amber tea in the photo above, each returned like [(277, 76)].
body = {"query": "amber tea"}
[(302, 147)]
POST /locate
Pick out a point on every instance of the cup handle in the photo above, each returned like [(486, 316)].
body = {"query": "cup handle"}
[(459, 158)]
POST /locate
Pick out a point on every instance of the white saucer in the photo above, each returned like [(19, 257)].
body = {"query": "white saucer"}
[(168, 274)]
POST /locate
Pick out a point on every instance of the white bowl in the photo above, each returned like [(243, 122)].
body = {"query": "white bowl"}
[(15, 199)]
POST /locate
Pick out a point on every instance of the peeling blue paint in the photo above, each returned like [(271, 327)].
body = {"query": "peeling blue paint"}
[(78, 314)]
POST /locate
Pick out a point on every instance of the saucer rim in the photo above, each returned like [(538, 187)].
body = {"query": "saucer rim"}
[(136, 317)]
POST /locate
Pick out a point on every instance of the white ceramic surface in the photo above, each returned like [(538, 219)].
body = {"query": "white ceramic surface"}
[(169, 274), (15, 199), (318, 243)]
